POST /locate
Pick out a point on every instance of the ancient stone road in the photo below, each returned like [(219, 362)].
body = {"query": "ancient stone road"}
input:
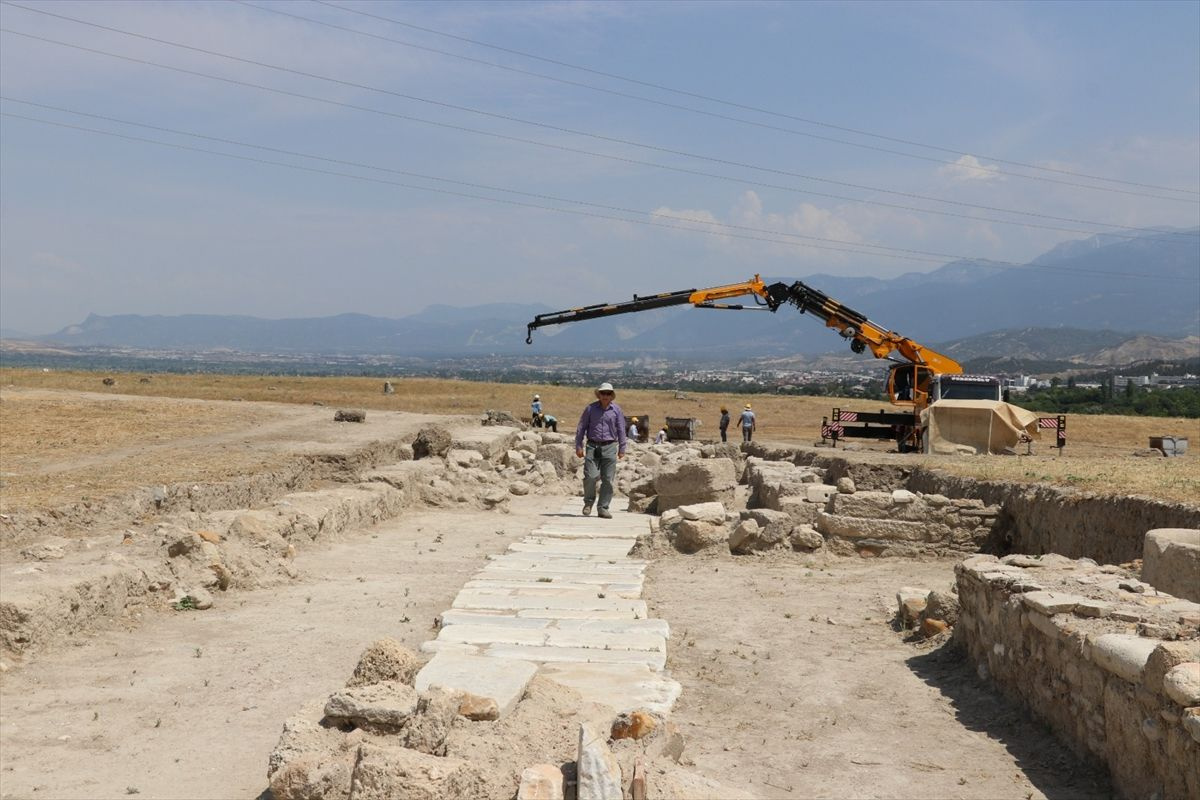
[(564, 601)]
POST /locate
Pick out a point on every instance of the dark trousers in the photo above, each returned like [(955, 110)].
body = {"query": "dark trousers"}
[(724, 435), (746, 432)]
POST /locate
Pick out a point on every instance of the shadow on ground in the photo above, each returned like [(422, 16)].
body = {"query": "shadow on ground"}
[(1048, 764)]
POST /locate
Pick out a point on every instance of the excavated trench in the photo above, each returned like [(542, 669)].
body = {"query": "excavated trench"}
[(1034, 519)]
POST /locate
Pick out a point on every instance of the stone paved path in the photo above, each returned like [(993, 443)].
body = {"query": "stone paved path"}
[(564, 601)]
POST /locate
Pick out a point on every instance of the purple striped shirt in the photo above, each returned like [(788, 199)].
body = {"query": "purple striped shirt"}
[(601, 425)]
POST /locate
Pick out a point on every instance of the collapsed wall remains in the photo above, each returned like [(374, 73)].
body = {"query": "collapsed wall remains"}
[(1111, 665)]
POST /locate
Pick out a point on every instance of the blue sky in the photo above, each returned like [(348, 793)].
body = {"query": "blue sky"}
[(93, 223)]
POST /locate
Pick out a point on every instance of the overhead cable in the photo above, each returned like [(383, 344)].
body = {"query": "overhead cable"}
[(564, 148), (718, 100), (573, 212)]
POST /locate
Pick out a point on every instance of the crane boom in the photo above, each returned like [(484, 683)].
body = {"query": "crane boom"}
[(850, 324)]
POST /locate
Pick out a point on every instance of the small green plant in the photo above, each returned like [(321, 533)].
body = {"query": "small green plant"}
[(197, 653), (544, 580), (185, 603)]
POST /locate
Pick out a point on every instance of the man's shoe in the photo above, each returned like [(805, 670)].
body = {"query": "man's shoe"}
[(603, 514), (587, 509)]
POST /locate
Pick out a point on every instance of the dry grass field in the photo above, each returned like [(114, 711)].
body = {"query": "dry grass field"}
[(1098, 457)]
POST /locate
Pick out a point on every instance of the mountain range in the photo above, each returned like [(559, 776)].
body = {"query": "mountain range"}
[(1079, 288)]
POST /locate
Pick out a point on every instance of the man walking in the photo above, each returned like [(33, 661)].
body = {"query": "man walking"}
[(747, 423), (724, 423), (603, 425)]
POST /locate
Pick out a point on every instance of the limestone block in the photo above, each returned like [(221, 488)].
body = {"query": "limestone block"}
[(1092, 608), (432, 441), (697, 481), (704, 512), (1171, 561), (845, 485), (805, 538), (743, 535), (800, 510), (771, 482), (1123, 654), (599, 774), (670, 517), (1191, 723), (1051, 603), (691, 536), (863, 528), (541, 782), (903, 496), (1167, 656), (386, 773), (910, 601), (1182, 683), (819, 492), (464, 458), (502, 680), (388, 704)]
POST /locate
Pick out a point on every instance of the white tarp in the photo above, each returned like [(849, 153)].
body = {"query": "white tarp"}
[(978, 426)]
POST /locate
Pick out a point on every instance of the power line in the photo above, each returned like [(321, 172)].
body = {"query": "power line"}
[(522, 204), (690, 109), (611, 139), (565, 148), (474, 185), (721, 101)]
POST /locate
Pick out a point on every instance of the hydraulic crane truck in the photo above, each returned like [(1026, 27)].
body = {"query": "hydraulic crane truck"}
[(918, 378)]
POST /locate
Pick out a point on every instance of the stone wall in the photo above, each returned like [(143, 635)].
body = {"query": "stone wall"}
[(1109, 665), (901, 523)]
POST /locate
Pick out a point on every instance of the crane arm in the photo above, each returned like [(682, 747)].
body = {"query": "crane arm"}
[(862, 333), (700, 298), (850, 324)]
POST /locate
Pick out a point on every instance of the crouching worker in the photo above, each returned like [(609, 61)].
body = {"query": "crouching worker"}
[(602, 424), (550, 422)]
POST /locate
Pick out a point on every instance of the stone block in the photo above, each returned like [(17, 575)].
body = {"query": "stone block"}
[(903, 496), (1051, 603), (1182, 684), (910, 602), (502, 680), (1171, 561), (834, 525), (697, 481), (386, 704), (622, 687), (819, 492), (1124, 655), (1092, 608), (800, 510), (704, 512), (598, 773), (541, 782), (387, 773), (691, 536), (1165, 657), (805, 538)]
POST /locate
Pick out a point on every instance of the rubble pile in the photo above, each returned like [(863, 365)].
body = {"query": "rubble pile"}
[(1110, 663), (387, 736)]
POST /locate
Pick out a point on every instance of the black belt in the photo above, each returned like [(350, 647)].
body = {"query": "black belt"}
[(610, 441)]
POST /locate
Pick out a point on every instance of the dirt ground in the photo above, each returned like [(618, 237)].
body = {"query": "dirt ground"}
[(189, 704), (802, 687)]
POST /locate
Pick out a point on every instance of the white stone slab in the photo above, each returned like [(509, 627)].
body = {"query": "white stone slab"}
[(531, 590), (438, 646), (624, 687), (603, 567), (587, 614), (592, 640), (492, 634), (502, 679), (536, 588), (470, 599), (556, 577), (578, 655), (1123, 654), (658, 627), (580, 534), (453, 617)]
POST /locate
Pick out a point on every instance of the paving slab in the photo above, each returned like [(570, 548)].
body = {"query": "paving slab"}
[(555, 577), (624, 687), (455, 617), (658, 627), (502, 679), (532, 588), (472, 599), (577, 655), (584, 614)]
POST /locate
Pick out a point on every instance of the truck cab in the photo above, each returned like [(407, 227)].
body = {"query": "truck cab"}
[(918, 386)]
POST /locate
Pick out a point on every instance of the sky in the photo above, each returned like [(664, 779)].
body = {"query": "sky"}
[(306, 158)]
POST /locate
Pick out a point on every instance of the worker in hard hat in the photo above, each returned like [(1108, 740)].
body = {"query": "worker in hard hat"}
[(535, 410), (602, 424), (634, 433), (748, 423)]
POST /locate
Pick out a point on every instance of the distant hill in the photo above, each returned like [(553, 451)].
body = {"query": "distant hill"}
[(1079, 289), (1058, 349)]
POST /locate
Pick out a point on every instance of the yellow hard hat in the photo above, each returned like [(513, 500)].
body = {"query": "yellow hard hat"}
[(747, 406)]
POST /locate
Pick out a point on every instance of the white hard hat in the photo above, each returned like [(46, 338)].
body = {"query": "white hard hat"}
[(537, 397), (606, 387)]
